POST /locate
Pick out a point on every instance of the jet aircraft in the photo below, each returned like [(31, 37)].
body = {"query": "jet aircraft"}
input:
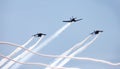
[(72, 20), (39, 34), (96, 32)]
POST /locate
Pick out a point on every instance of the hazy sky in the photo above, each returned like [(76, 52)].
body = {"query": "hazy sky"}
[(20, 19)]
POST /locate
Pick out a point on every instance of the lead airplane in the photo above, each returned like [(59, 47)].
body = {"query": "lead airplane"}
[(96, 32), (39, 34), (72, 20)]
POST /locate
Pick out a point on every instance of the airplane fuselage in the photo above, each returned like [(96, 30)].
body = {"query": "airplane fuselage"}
[(97, 32), (39, 34), (73, 20)]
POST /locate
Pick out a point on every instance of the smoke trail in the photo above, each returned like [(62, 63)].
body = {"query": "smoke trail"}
[(12, 44), (57, 56), (38, 64), (77, 51), (43, 55), (4, 60), (9, 64), (25, 53), (56, 61), (96, 60), (77, 58), (52, 37), (49, 39)]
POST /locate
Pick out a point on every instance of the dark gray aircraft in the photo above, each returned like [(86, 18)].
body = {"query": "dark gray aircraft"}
[(72, 20), (39, 34), (96, 32)]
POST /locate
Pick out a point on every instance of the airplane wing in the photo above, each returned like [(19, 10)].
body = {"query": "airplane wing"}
[(92, 33), (35, 35), (66, 21), (78, 19)]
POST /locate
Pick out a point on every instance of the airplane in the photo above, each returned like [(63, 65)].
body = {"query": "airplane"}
[(72, 20), (96, 32), (39, 34)]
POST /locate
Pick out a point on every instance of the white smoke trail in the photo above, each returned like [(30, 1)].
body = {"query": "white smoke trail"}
[(4, 60), (52, 37), (38, 64), (12, 44), (95, 60), (57, 56), (43, 55), (9, 64), (56, 61), (48, 40), (76, 52)]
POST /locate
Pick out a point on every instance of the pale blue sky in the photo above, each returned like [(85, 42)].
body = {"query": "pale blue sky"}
[(20, 19)]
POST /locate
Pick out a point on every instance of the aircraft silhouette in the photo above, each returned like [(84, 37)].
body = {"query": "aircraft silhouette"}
[(72, 20), (39, 34), (96, 32)]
